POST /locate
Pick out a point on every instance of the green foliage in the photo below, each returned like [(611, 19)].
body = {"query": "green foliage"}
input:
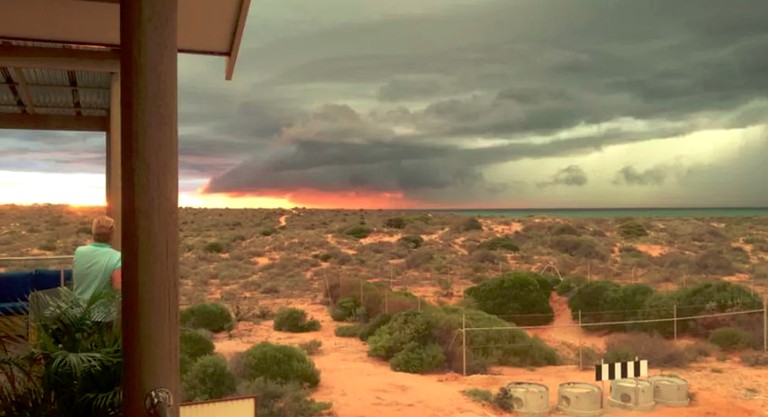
[(729, 338), (282, 400), (279, 363), (193, 344), (503, 400), (349, 330), (632, 230), (49, 246), (367, 330), (214, 247), (208, 378), (75, 366), (419, 258), (604, 301), (656, 349), (467, 224), (395, 223), (294, 320), (358, 232), (402, 330), (755, 359), (214, 317), (578, 247), (347, 309), (568, 285), (713, 262), (499, 243), (417, 359), (516, 296), (269, 231), (482, 396), (312, 347), (412, 241)]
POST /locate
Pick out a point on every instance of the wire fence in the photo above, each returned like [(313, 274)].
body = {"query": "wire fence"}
[(675, 321)]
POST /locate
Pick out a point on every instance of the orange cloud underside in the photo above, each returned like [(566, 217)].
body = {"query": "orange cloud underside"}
[(89, 190)]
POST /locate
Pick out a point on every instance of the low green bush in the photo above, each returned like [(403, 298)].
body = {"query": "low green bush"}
[(656, 349), (294, 320), (208, 378), (755, 359), (729, 338), (358, 232), (367, 330), (214, 247), (517, 297), (412, 241), (214, 317), (350, 330), (395, 223), (312, 347), (467, 224), (278, 363), (193, 344), (347, 309), (402, 330), (632, 230), (282, 399), (499, 243), (482, 396), (417, 359), (569, 285)]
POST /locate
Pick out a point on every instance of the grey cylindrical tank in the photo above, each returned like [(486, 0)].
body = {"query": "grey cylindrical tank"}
[(632, 394), (670, 390), (529, 399), (580, 399)]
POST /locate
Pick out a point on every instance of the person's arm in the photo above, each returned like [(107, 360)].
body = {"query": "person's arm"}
[(117, 279)]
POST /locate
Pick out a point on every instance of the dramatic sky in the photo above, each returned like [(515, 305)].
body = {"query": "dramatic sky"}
[(458, 103)]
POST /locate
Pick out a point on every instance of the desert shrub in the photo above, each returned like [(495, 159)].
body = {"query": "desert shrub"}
[(419, 258), (294, 320), (269, 231), (412, 241), (395, 223), (208, 378), (347, 309), (713, 262), (358, 232), (499, 243), (214, 247), (193, 344), (367, 330), (511, 347), (729, 338), (632, 230), (402, 330), (484, 256), (311, 347), (482, 396), (710, 298), (656, 349), (282, 399), (698, 349), (467, 224), (565, 229), (755, 359), (516, 296), (589, 357), (579, 247), (417, 359), (214, 317), (349, 330), (605, 301), (49, 246), (278, 363), (568, 285)]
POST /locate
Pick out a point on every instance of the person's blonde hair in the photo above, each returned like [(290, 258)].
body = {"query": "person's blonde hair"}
[(102, 229)]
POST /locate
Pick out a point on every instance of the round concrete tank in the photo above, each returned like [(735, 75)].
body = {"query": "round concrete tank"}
[(670, 390), (580, 399), (632, 394), (529, 399)]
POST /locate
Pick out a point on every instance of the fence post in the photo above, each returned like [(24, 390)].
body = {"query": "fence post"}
[(674, 318), (464, 344), (765, 323), (581, 351), (386, 301), (361, 291)]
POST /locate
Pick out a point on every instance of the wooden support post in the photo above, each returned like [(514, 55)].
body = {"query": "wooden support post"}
[(765, 324), (114, 185), (581, 350), (150, 246)]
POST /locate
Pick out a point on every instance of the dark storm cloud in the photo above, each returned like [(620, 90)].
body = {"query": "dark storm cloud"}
[(570, 176), (654, 176)]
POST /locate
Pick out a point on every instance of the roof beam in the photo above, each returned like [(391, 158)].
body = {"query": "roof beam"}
[(53, 122), (229, 71), (59, 58), (23, 89)]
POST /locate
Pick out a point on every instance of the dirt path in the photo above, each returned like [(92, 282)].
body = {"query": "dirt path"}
[(559, 333), (283, 219)]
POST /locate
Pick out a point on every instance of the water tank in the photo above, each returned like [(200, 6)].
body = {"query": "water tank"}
[(632, 394), (529, 399), (670, 390), (580, 399)]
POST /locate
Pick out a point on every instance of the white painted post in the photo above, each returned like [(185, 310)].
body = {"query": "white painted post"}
[(464, 344)]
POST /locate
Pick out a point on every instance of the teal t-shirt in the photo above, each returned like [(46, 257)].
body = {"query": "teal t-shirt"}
[(93, 268)]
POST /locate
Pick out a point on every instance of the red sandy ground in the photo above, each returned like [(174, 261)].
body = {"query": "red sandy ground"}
[(360, 386)]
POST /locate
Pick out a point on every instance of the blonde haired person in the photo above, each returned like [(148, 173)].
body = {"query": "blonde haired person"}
[(97, 266)]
